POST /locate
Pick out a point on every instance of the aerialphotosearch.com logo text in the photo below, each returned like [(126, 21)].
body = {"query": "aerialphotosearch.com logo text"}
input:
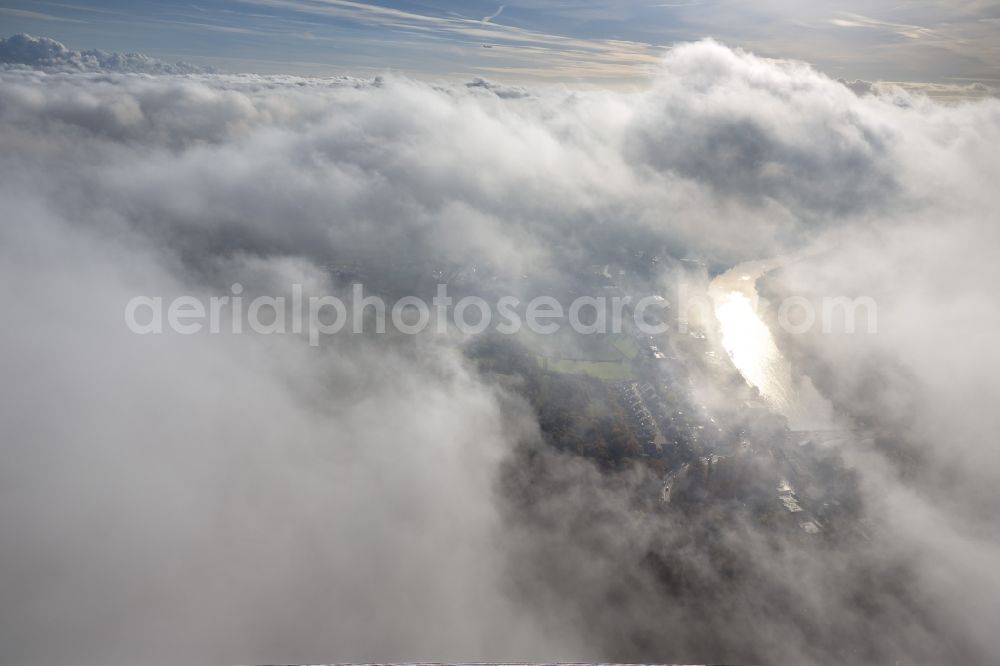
[(318, 316)]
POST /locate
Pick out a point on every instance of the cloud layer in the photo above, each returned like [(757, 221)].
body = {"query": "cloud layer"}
[(249, 499), (48, 54)]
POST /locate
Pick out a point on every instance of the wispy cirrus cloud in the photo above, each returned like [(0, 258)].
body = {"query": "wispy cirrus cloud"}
[(39, 16), (519, 48), (598, 41), (906, 30), (487, 19)]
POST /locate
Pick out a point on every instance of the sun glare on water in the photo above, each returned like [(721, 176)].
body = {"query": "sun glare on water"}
[(751, 346), (749, 343)]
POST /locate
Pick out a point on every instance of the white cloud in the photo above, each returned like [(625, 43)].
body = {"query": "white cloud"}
[(48, 54), (251, 499)]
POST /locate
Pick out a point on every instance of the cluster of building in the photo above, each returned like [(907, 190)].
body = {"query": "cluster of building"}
[(791, 504), (635, 398)]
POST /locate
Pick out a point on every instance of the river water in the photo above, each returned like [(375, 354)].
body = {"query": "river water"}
[(753, 350)]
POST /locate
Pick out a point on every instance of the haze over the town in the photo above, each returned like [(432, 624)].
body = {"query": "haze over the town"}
[(462, 332)]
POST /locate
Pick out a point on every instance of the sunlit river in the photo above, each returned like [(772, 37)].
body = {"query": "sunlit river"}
[(752, 348)]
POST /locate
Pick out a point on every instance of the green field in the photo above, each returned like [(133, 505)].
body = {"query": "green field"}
[(626, 346), (606, 370)]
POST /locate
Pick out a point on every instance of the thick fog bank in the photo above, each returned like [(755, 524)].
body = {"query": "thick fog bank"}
[(247, 498)]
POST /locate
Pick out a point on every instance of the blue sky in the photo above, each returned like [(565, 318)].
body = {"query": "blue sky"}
[(604, 42)]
